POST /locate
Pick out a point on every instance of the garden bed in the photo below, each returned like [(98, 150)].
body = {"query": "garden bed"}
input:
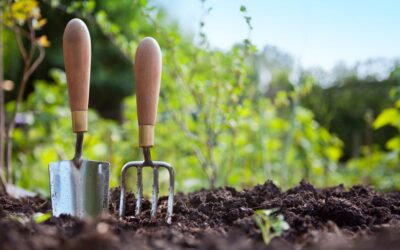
[(330, 218)]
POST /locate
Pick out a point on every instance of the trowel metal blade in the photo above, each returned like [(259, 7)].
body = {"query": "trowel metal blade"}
[(79, 191)]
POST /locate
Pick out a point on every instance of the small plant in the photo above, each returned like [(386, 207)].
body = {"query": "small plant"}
[(24, 19), (41, 217), (270, 224)]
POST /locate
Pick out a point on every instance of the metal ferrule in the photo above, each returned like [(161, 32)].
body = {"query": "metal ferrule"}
[(79, 121), (146, 136)]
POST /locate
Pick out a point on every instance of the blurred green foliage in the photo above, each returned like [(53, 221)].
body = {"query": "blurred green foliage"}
[(348, 108), (215, 125), (375, 166), (251, 146)]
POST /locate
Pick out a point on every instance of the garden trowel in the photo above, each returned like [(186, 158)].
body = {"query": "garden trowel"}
[(78, 187)]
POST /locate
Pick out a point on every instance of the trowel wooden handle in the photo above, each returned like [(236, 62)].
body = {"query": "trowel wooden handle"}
[(77, 53), (148, 62)]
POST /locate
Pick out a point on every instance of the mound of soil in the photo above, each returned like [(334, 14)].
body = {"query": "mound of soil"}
[(330, 218)]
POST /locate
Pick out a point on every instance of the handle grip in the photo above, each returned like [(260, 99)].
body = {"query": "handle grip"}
[(148, 63), (77, 56)]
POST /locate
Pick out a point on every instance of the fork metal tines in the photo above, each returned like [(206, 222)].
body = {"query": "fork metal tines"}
[(140, 165)]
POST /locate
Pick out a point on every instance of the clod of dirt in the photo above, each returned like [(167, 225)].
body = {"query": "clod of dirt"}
[(329, 218)]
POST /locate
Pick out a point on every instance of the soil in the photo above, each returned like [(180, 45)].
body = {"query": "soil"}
[(329, 218)]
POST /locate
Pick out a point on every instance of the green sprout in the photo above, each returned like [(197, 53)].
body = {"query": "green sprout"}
[(271, 225), (41, 217)]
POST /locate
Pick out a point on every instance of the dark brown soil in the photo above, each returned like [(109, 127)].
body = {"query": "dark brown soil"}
[(330, 218)]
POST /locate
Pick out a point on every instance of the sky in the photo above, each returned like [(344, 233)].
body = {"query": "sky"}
[(316, 32)]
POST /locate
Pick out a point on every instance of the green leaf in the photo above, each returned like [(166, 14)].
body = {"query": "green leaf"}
[(143, 2), (388, 117), (90, 5), (393, 144), (41, 217), (333, 153), (271, 225)]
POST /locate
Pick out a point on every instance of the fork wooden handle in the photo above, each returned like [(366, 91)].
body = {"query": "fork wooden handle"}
[(148, 63), (77, 56)]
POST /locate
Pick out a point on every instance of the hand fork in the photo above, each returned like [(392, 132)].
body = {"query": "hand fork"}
[(147, 80)]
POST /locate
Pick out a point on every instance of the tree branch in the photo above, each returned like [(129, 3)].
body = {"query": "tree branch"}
[(3, 189), (29, 68)]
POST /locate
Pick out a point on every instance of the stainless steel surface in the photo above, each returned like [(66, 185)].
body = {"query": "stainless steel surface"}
[(140, 165), (79, 187), (79, 191), (139, 195), (154, 197)]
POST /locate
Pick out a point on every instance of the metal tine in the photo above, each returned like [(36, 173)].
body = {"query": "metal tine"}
[(155, 165), (139, 186), (154, 193), (170, 189), (137, 164)]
